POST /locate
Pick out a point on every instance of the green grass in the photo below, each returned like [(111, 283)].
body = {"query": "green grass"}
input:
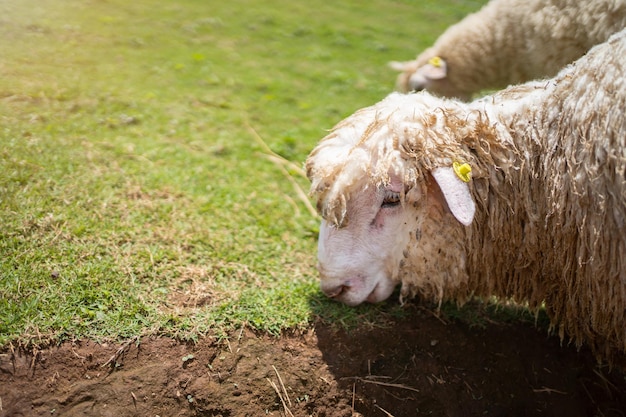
[(134, 197)]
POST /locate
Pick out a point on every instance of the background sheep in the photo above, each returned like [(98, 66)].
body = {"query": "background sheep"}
[(543, 217), (508, 42)]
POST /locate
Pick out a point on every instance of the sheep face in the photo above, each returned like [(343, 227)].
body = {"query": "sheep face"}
[(392, 237), (360, 261), (427, 74)]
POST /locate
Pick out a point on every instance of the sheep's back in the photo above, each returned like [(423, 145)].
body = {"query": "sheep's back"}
[(569, 229)]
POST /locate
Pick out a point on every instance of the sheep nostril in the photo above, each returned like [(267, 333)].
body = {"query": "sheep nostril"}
[(336, 291)]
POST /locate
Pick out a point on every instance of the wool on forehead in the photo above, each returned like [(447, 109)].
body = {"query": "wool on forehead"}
[(404, 136)]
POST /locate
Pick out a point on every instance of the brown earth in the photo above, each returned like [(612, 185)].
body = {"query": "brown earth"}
[(420, 365)]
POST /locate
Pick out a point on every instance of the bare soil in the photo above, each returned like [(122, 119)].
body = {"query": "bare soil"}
[(419, 365)]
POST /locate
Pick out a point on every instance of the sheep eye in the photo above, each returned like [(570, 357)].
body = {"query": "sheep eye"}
[(390, 199)]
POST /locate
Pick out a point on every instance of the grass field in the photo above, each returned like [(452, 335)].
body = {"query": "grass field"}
[(136, 194)]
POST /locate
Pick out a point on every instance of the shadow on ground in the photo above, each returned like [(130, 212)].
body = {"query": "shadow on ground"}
[(417, 365)]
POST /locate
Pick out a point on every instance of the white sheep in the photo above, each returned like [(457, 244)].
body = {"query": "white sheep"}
[(520, 195), (508, 42)]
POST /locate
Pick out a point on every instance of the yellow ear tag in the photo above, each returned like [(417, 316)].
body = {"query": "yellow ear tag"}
[(463, 171), (435, 61)]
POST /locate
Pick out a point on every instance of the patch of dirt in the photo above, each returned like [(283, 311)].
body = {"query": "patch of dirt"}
[(418, 366)]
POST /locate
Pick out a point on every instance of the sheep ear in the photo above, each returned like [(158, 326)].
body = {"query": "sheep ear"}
[(456, 193), (435, 69), (399, 66)]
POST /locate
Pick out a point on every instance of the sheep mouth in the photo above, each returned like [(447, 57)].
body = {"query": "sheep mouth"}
[(373, 297), (344, 295), (381, 291)]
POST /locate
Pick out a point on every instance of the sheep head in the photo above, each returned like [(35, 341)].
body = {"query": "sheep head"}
[(394, 209), (427, 72)]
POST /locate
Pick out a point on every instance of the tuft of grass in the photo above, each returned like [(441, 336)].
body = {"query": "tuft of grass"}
[(135, 198)]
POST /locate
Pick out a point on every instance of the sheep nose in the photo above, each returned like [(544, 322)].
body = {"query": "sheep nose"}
[(334, 291)]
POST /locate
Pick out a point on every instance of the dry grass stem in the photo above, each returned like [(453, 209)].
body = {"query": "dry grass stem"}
[(383, 410), (33, 361), (281, 162), (325, 380), (269, 150), (282, 385), (82, 358), (243, 327), (607, 384), (301, 194), (386, 384), (293, 205), (549, 390), (435, 315), (119, 353), (280, 396)]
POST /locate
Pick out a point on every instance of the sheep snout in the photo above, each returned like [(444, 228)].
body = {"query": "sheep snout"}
[(334, 291), (352, 291), (357, 289)]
